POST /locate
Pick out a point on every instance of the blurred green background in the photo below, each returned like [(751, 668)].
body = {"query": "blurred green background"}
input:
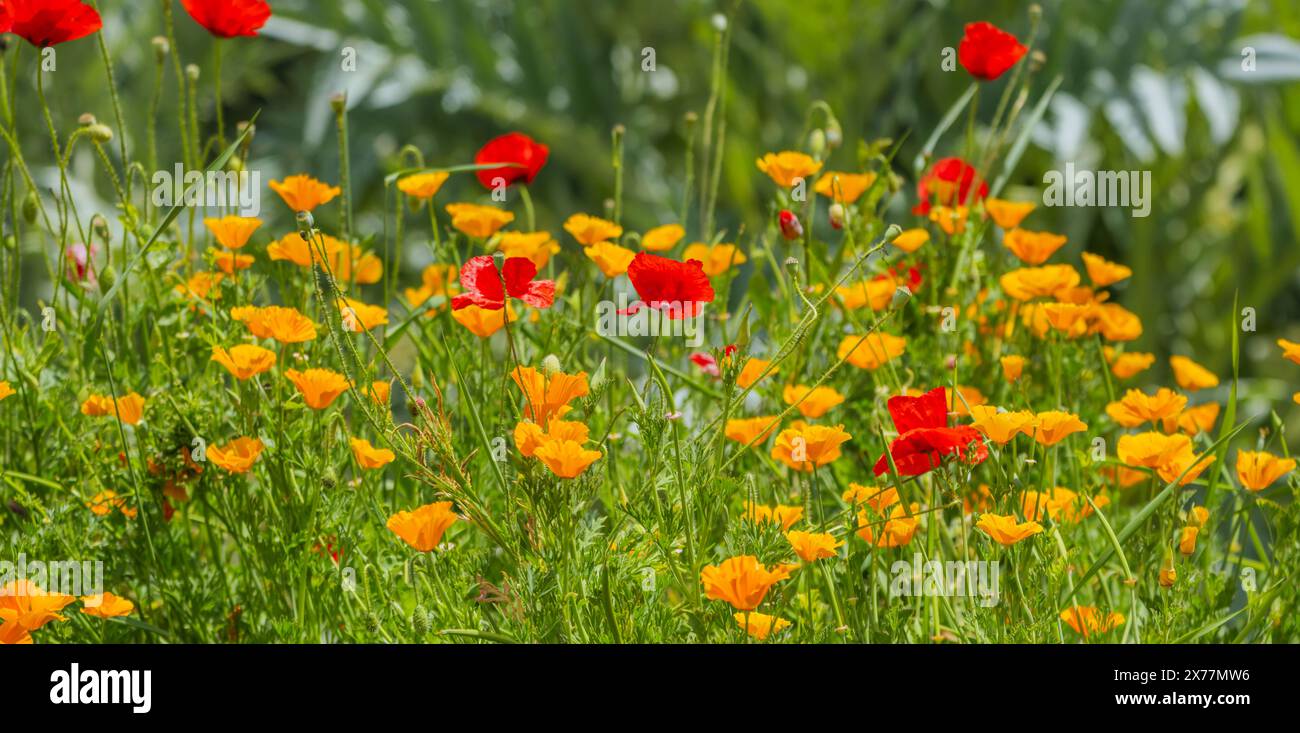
[(1153, 85)]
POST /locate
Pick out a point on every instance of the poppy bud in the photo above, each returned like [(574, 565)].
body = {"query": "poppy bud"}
[(901, 295), (834, 133), (420, 621), (235, 164), (100, 133), (791, 229), (837, 215), (252, 130), (107, 277), (817, 143), (339, 102), (192, 72), (551, 365), (892, 232), (306, 225), (161, 48), (1167, 572), (31, 207), (100, 225), (86, 120)]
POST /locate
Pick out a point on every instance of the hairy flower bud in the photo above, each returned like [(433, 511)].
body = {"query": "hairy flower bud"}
[(551, 365), (192, 72), (791, 229), (161, 48), (837, 215), (100, 133), (31, 207)]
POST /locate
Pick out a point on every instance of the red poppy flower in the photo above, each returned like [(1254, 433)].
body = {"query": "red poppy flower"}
[(924, 437), (791, 229), (46, 23), (678, 288), (707, 363), (987, 51), (513, 147), (949, 182), (229, 18), (483, 287)]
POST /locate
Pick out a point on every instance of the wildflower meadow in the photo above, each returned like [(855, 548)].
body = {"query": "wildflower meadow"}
[(518, 381)]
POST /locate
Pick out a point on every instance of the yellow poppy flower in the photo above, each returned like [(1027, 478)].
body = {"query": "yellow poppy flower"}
[(232, 232), (483, 322), (237, 456), (1001, 427), (358, 316), (741, 581), (781, 514), (379, 392), (293, 248), (1103, 272), (424, 527), (548, 396), (846, 188), (752, 370), (747, 430), (716, 259), (534, 246), (951, 220), (1028, 283), (1187, 539), (1130, 364), (1138, 407), (879, 499), (106, 605), (530, 436), (245, 360), (1005, 530), (480, 222), (816, 402), (1115, 323), (591, 230), (566, 458), (610, 258), (202, 286), (897, 531), (1033, 248), (1151, 449), (1050, 428), (811, 546), (285, 325), (423, 186), (1007, 214), (318, 387), (787, 167), (1257, 470), (368, 456), (662, 237), (870, 352), (910, 240), (1190, 375), (760, 625), (805, 447), (437, 280), (1013, 366), (1087, 620), (232, 262), (877, 293), (304, 193)]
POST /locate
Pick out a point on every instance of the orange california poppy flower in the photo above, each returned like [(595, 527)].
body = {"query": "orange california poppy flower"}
[(566, 458), (304, 193), (815, 401), (1190, 375), (741, 581), (871, 351), (811, 546), (536, 247), (548, 396), (29, 607), (1033, 248), (760, 625), (424, 527), (1013, 365), (1130, 364), (1257, 470), (319, 387), (752, 370), (910, 240), (1007, 214), (1052, 427), (1028, 283), (237, 456), (897, 531), (1087, 620), (781, 514), (232, 232), (787, 167), (106, 605), (592, 230), (612, 259), (1290, 350), (423, 186), (103, 504), (662, 238), (358, 316), (232, 262), (748, 430), (805, 447), (285, 325), (480, 222), (1001, 427), (368, 456), (846, 188), (1103, 272), (879, 499), (245, 360), (1137, 407), (716, 258), (1005, 529)]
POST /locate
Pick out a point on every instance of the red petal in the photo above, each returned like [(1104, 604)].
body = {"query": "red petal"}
[(482, 281), (930, 410)]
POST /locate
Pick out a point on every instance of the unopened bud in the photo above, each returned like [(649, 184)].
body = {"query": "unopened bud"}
[(837, 215), (551, 365), (791, 229), (192, 72), (86, 120), (817, 142), (892, 232), (100, 133), (901, 295), (339, 102), (107, 277), (161, 48), (306, 225), (31, 207), (834, 133)]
